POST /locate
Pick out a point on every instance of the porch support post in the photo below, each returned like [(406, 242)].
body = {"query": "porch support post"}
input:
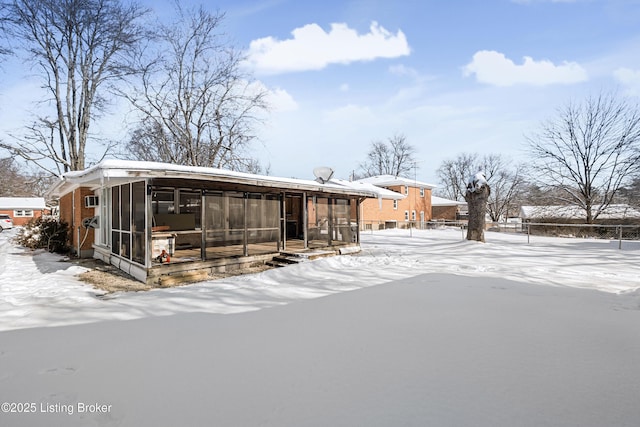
[(358, 203), (330, 230), (149, 222), (279, 243), (283, 221), (246, 231), (203, 231), (305, 220)]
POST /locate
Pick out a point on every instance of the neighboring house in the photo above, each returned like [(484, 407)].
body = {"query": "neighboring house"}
[(445, 209), (154, 220), (613, 214), (22, 209), (414, 206)]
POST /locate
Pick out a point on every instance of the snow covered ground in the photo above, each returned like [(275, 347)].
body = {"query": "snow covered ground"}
[(41, 290), (434, 330)]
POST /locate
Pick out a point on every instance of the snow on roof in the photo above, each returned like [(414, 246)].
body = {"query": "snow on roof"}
[(22, 203), (126, 169), (618, 211), (390, 181), (383, 193), (439, 201)]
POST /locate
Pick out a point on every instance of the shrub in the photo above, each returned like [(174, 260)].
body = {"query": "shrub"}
[(44, 233)]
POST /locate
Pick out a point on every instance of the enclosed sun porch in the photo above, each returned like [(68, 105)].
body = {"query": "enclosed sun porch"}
[(159, 221)]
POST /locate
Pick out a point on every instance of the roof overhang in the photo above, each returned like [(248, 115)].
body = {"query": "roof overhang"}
[(114, 172)]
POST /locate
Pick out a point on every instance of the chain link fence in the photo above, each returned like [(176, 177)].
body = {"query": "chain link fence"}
[(619, 232)]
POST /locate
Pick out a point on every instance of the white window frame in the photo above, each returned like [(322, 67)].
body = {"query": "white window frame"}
[(395, 205), (406, 215), (104, 233), (413, 215), (406, 190), (23, 213), (421, 191)]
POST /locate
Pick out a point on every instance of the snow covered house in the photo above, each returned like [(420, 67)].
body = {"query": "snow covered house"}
[(22, 209), (412, 205), (154, 220)]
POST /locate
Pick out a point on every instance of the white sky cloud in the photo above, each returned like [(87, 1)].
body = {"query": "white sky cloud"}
[(312, 48), (402, 70), (281, 100), (630, 79), (496, 69)]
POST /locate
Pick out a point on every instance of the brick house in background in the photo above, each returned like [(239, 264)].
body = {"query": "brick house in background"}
[(445, 209), (23, 209), (414, 207)]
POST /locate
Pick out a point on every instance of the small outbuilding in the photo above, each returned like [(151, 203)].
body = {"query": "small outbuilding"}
[(22, 209), (156, 220), (447, 210)]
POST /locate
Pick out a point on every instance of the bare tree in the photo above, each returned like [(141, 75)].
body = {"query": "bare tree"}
[(454, 174), (17, 181), (196, 106), (393, 157), (588, 152), (4, 46), (11, 179), (506, 180), (79, 46)]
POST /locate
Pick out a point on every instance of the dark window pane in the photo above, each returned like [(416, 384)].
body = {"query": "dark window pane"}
[(115, 208), (125, 201), (139, 197), (191, 203), (115, 242), (125, 250)]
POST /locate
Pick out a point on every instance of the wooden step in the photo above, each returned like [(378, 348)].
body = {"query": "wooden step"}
[(310, 254)]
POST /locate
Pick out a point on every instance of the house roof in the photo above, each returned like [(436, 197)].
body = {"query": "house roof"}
[(126, 171), (439, 201), (391, 181), (22, 203), (618, 211)]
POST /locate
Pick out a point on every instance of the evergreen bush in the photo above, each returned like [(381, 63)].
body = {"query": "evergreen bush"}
[(44, 233)]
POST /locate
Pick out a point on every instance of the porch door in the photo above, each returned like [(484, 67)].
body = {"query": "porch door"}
[(294, 220)]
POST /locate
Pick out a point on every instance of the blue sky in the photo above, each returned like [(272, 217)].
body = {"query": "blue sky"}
[(452, 76)]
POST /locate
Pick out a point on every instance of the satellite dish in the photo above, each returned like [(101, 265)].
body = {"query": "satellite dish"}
[(323, 174)]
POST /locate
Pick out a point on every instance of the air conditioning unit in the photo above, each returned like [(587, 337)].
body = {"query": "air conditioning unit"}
[(91, 201)]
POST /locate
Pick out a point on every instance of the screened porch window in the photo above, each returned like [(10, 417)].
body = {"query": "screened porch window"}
[(128, 221), (237, 224), (191, 203)]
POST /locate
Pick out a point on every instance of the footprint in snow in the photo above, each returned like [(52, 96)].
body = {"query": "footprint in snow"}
[(60, 371)]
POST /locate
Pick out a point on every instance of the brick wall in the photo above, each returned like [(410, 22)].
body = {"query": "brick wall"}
[(445, 212), (72, 211), (371, 210)]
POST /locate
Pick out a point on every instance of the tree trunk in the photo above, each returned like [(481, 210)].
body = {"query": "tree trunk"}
[(477, 205)]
